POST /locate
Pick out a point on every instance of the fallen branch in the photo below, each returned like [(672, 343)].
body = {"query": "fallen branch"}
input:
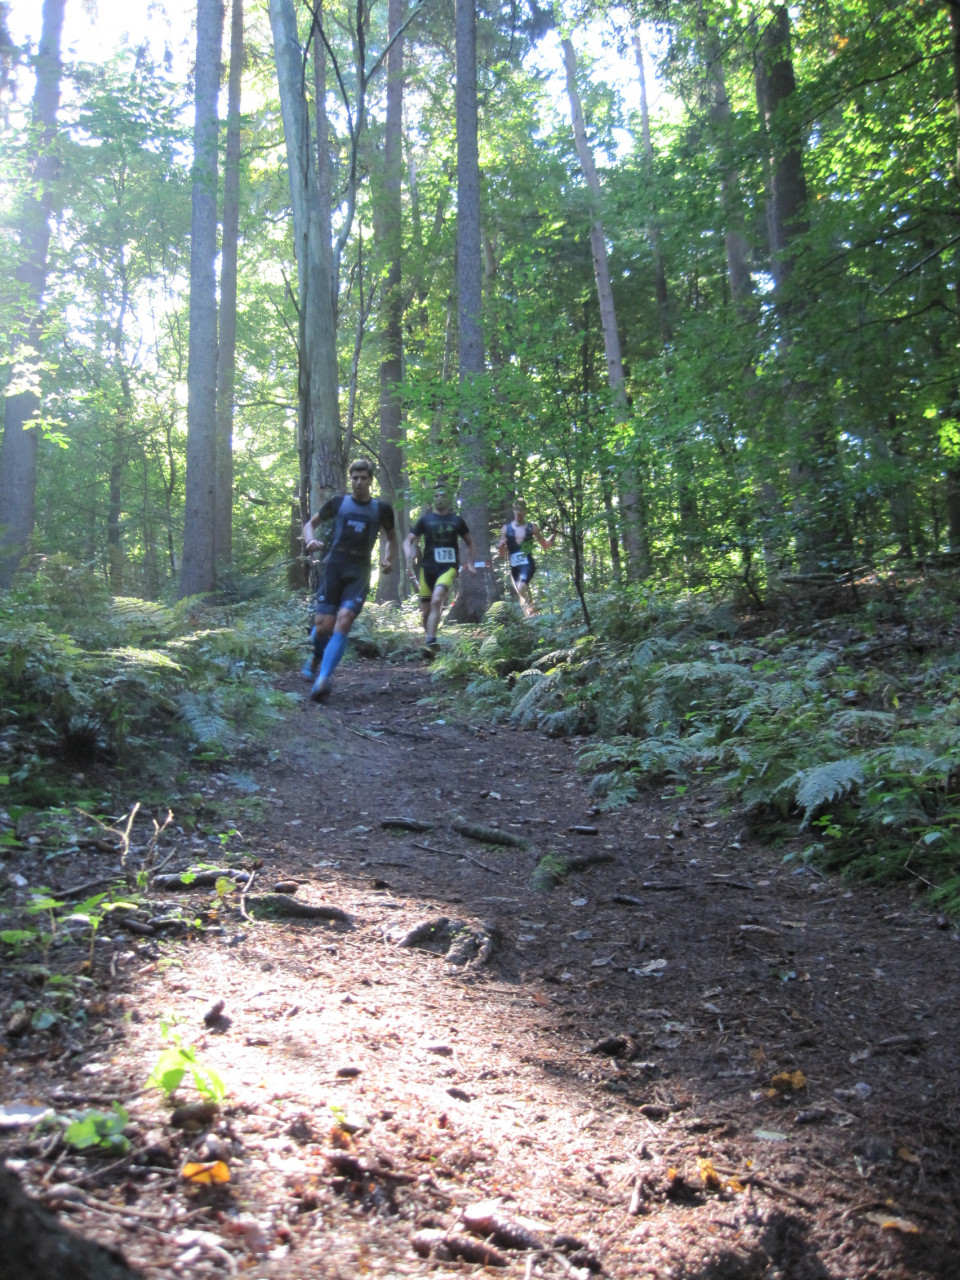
[(580, 861), (407, 824), (277, 904), (489, 835), (721, 882), (199, 879)]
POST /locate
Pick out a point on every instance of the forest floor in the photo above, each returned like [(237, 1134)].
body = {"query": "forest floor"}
[(686, 1058)]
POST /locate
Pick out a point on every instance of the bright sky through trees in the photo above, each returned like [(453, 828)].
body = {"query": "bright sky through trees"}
[(95, 28)]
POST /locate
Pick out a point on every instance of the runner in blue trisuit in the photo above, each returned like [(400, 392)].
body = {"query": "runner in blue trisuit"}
[(357, 519)]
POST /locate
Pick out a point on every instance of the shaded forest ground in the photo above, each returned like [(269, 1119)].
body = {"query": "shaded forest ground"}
[(686, 1058)]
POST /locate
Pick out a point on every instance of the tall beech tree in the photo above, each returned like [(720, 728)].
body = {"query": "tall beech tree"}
[(319, 384), (632, 500), (199, 572), (227, 346), (389, 231), (476, 591), (18, 457)]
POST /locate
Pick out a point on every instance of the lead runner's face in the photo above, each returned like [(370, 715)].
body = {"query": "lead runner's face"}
[(360, 485)]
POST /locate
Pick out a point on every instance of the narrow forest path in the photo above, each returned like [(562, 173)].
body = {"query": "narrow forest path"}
[(685, 1059)]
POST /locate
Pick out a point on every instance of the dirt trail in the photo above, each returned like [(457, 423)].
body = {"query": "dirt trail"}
[(685, 1059)]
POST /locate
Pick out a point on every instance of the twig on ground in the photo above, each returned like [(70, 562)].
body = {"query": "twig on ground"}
[(450, 853), (638, 1196), (78, 890), (243, 894), (755, 1179), (721, 882)]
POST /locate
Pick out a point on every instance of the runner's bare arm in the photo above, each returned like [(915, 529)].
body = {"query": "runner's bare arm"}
[(386, 562), (471, 553), (311, 543), (546, 543), (502, 544)]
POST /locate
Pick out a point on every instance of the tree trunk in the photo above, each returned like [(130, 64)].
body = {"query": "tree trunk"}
[(199, 560), (227, 351), (687, 507), (653, 229), (37, 1247), (389, 233), (18, 457), (819, 531), (318, 391), (953, 472), (476, 592), (720, 116), (632, 502), (787, 206)]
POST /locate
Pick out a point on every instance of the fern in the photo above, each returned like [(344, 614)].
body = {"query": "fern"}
[(562, 723), (862, 727), (208, 729), (824, 783), (541, 686)]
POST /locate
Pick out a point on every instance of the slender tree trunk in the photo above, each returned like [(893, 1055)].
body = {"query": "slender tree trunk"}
[(692, 541), (199, 561), (476, 592), (953, 471), (653, 228), (632, 502), (819, 526), (734, 239), (122, 422), (227, 351), (787, 205), (18, 457), (390, 224), (151, 565), (318, 391)]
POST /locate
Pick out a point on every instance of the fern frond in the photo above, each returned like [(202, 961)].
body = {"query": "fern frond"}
[(207, 727), (823, 783), (862, 726), (556, 658), (541, 686), (559, 724), (140, 614)]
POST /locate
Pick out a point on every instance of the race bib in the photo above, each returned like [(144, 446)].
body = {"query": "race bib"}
[(444, 555), (518, 558)]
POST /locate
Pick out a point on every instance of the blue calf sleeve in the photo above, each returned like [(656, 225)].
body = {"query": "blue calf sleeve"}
[(319, 644), (332, 654)]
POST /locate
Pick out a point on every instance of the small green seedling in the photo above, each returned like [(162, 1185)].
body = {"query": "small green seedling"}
[(173, 1065), (99, 1129), (18, 938)]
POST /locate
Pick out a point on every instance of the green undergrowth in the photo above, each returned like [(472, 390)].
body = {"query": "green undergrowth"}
[(102, 695), (844, 731)]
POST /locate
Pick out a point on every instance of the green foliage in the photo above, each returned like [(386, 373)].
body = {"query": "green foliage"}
[(134, 684), (177, 1061), (101, 1131), (789, 728)]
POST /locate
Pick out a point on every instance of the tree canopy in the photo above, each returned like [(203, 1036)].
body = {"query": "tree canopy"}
[(781, 245)]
